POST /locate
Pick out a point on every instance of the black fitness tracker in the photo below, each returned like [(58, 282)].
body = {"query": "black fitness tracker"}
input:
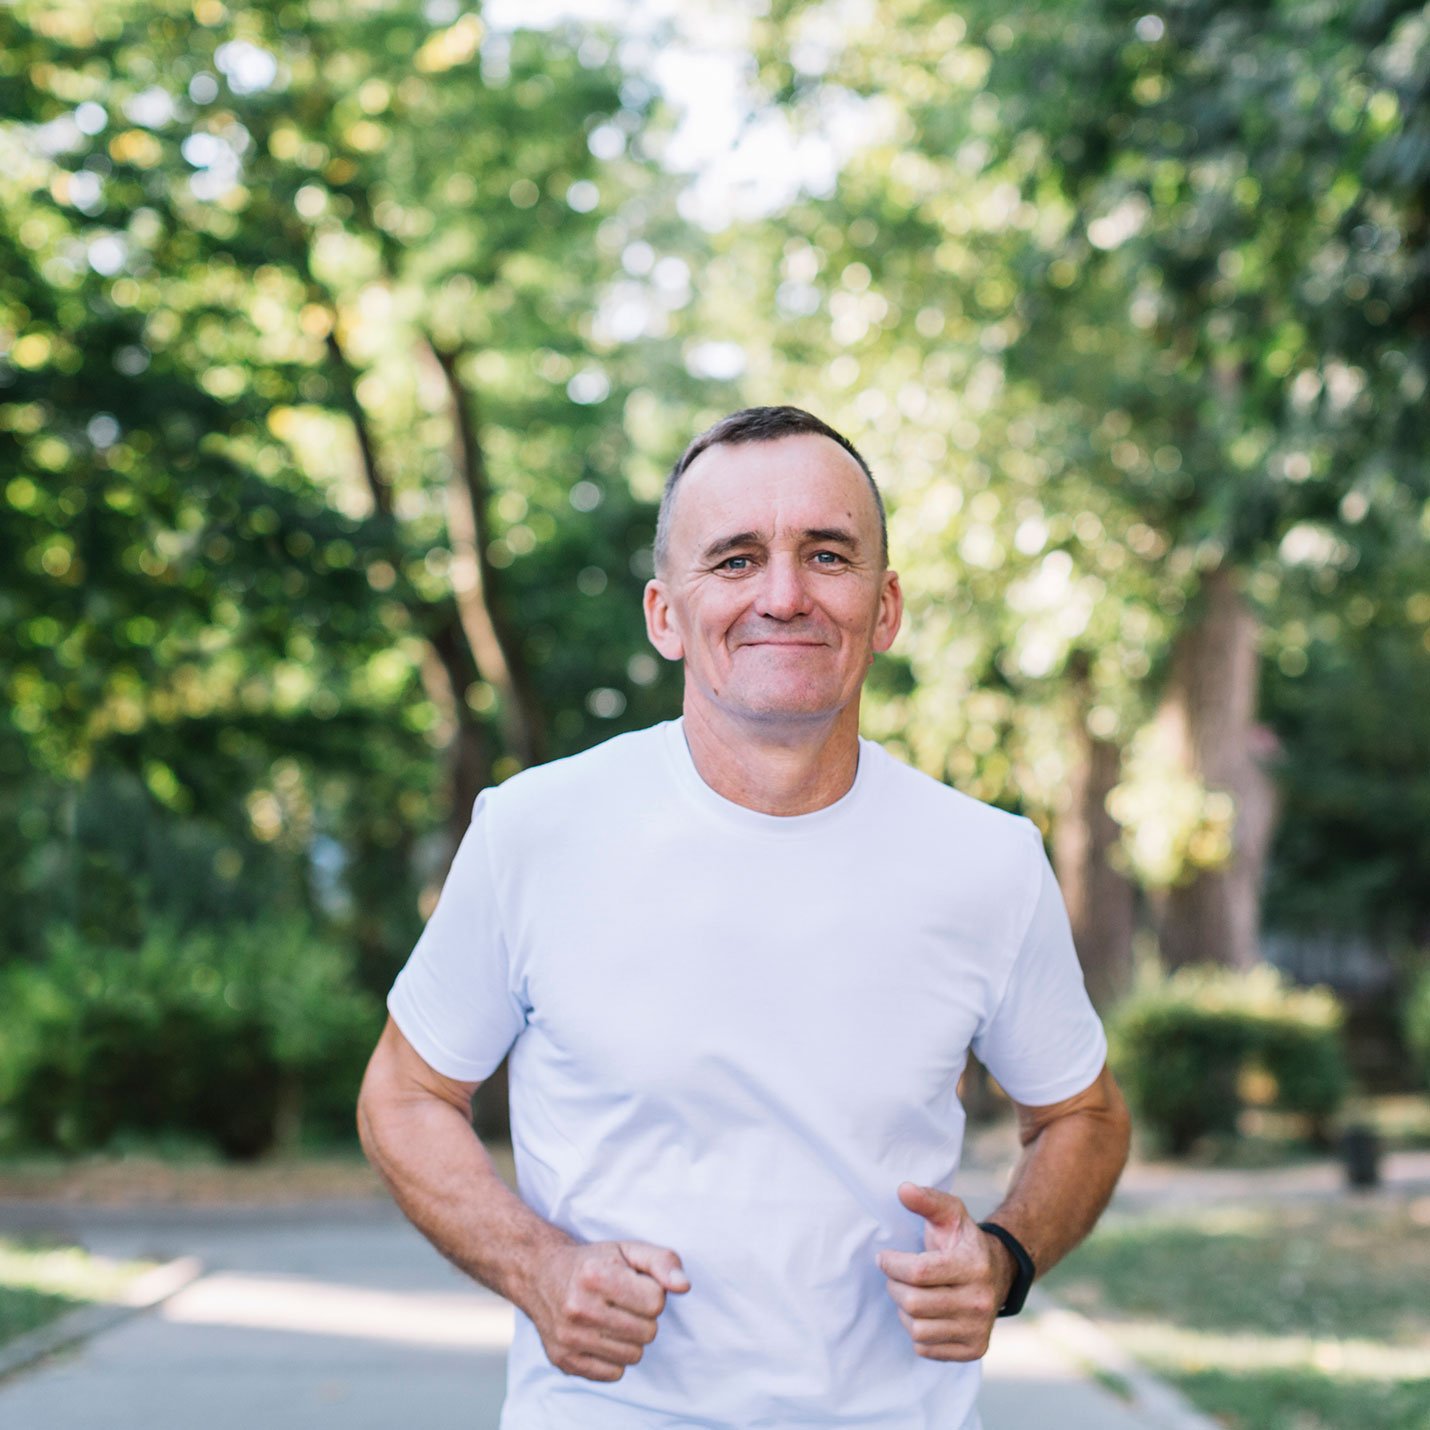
[(1023, 1280)]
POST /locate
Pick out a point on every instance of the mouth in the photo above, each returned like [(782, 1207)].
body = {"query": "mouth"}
[(788, 645)]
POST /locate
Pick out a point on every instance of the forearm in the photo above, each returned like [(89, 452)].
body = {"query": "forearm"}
[(441, 1176), (1065, 1179)]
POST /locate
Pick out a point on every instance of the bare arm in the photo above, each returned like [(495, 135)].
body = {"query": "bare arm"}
[(594, 1305), (1073, 1153), (416, 1129), (949, 1294)]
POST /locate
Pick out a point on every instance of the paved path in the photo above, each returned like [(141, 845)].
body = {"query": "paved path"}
[(340, 1317)]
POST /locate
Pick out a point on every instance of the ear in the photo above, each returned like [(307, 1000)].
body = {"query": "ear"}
[(891, 612), (659, 627)]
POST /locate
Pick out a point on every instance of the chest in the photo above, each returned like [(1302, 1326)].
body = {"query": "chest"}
[(735, 979)]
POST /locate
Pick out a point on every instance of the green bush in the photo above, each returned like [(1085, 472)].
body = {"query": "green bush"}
[(1417, 1024), (239, 1034), (1193, 1050)]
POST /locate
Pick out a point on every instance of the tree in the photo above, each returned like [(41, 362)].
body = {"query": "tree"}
[(311, 385), (1194, 241)]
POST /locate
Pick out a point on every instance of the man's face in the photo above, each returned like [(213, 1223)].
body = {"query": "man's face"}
[(775, 592)]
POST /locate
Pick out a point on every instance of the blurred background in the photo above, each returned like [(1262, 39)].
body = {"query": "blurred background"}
[(343, 350)]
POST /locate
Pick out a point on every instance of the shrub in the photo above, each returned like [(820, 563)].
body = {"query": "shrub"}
[(1417, 1024), (1189, 1049), (237, 1033)]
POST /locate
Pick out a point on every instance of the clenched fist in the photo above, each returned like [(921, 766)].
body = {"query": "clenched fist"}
[(949, 1293), (596, 1306)]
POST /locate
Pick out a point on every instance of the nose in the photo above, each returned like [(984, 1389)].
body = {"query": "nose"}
[(783, 594)]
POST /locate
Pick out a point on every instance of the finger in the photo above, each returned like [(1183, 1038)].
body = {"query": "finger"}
[(618, 1324), (606, 1348), (658, 1262), (917, 1268), (933, 1301), (590, 1367), (630, 1290), (956, 1351), (942, 1340), (941, 1208)]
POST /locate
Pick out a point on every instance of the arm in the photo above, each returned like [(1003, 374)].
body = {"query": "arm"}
[(949, 1294), (595, 1306), (1073, 1154)]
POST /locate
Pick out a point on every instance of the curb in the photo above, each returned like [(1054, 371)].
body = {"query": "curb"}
[(1148, 1395), (142, 1294)]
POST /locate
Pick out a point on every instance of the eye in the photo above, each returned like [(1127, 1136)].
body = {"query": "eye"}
[(828, 558), (734, 563)]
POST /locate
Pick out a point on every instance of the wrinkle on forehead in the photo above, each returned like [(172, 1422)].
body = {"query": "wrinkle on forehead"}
[(779, 492)]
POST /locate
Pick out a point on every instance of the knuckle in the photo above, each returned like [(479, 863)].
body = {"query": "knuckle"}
[(595, 1273)]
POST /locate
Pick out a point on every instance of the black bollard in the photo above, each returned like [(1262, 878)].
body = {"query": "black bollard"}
[(1360, 1149)]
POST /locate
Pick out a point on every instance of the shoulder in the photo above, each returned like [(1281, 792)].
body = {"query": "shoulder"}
[(616, 768), (937, 811)]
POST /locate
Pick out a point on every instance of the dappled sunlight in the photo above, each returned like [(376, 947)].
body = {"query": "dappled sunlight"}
[(321, 1308), (1178, 1351)]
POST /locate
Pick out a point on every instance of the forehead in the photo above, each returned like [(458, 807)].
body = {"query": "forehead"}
[(790, 484)]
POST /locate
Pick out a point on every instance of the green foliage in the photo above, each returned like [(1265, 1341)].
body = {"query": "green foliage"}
[(1193, 1050), (1417, 1023), (1110, 296), (1354, 774), (278, 285), (234, 1033), (1239, 1305)]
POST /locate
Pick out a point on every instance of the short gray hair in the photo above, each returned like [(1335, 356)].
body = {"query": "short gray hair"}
[(758, 424)]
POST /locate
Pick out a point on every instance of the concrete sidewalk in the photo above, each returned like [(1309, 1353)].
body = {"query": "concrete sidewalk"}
[(341, 1317)]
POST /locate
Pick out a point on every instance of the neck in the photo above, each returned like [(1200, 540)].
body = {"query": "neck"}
[(774, 767)]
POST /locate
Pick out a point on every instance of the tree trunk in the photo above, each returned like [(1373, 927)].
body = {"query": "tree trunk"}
[(449, 662), (493, 640), (469, 764), (1208, 715), (1100, 902)]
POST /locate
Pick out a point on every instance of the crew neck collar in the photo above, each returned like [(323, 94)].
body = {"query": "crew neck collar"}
[(693, 786)]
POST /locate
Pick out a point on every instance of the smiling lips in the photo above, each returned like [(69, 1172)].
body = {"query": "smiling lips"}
[(795, 644)]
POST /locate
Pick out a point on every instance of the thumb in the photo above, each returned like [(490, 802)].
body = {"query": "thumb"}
[(658, 1262), (942, 1209)]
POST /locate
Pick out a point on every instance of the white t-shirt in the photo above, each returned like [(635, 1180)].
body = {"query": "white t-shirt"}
[(734, 1034)]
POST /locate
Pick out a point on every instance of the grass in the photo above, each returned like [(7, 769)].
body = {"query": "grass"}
[(150, 1173), (40, 1283), (1295, 1317)]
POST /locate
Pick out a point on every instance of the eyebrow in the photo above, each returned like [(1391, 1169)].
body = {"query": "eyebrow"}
[(724, 545)]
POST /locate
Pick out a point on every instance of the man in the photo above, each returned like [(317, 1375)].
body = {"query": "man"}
[(739, 960)]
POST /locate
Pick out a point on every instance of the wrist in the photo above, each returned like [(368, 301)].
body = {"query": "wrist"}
[(1016, 1254), (1005, 1268), (535, 1268)]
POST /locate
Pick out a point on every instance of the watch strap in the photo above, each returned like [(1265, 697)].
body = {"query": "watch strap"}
[(1023, 1279)]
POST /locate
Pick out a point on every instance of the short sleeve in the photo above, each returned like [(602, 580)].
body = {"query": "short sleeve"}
[(1043, 1042), (454, 1000)]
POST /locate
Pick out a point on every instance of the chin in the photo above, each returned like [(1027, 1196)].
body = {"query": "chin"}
[(789, 704)]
